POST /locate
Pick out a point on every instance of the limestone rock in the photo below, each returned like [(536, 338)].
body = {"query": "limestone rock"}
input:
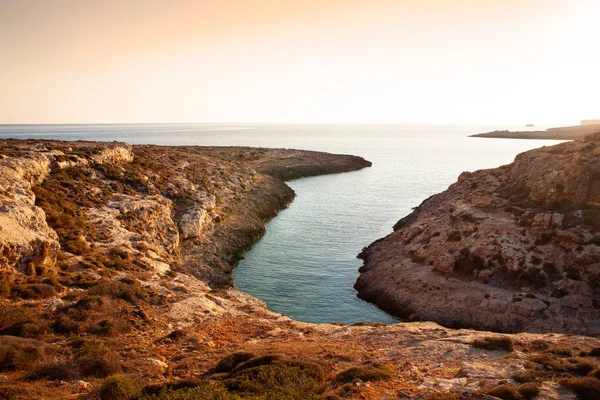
[(193, 222), (27, 244), (508, 249)]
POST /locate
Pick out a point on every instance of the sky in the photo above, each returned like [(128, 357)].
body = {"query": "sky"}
[(299, 61)]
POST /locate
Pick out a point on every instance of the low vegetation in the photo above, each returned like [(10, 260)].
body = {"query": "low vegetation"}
[(366, 372), (503, 343)]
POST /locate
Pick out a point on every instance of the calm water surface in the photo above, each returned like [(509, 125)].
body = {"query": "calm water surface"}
[(306, 264)]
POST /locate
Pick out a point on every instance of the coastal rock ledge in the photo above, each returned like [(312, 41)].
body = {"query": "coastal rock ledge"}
[(509, 249)]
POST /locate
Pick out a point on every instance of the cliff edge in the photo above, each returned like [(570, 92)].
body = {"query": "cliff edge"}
[(508, 249)]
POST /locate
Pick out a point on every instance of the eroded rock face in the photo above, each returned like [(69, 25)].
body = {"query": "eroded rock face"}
[(135, 222), (508, 249), (193, 222), (27, 244)]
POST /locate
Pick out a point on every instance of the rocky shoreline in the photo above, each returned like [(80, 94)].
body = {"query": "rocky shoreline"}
[(115, 266), (562, 133), (510, 249)]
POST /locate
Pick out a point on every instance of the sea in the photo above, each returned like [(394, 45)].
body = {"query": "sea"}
[(305, 266)]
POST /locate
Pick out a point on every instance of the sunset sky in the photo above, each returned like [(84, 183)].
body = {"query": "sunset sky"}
[(299, 61)]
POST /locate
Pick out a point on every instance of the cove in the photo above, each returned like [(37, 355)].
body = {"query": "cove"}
[(305, 265)]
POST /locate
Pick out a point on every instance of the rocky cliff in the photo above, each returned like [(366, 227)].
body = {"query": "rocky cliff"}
[(510, 249), (114, 284)]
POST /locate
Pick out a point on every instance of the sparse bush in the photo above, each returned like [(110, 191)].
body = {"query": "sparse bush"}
[(18, 353), (204, 390), (561, 351), (55, 371), (34, 329), (119, 388), (504, 343), (258, 361), (11, 316), (77, 246), (585, 388), (4, 288), (595, 352), (109, 326), (93, 358), (130, 292), (571, 365), (35, 291), (504, 392), (523, 377), (279, 379), (441, 396), (230, 362), (366, 372), (529, 390), (538, 345), (595, 373)]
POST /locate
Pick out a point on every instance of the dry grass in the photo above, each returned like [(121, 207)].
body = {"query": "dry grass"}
[(503, 343)]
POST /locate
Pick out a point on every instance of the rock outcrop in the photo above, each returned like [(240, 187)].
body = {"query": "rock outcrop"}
[(509, 249), (27, 244)]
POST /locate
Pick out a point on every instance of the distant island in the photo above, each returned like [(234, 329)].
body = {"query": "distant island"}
[(561, 133)]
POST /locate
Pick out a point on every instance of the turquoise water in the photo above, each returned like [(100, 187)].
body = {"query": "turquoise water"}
[(305, 266)]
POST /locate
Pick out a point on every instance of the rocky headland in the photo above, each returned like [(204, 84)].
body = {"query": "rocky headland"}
[(115, 280), (561, 133), (509, 249)]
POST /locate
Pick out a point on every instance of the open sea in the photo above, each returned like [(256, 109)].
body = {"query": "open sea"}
[(305, 266)]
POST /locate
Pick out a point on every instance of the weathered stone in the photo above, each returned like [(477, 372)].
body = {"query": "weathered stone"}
[(193, 223), (504, 233)]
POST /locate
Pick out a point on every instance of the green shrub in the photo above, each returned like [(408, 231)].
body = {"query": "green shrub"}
[(504, 343), (119, 388), (288, 378), (366, 372), (199, 390)]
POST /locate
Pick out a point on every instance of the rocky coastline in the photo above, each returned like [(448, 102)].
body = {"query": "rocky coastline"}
[(115, 266), (560, 133), (509, 249)]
